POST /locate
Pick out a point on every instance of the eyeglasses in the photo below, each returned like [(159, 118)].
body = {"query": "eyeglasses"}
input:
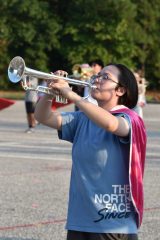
[(102, 78)]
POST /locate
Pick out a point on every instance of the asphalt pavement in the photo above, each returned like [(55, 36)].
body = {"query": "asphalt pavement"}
[(35, 175)]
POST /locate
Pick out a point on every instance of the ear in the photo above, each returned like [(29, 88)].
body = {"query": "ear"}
[(120, 91)]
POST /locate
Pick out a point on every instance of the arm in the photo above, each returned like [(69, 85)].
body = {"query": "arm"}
[(117, 125), (45, 115)]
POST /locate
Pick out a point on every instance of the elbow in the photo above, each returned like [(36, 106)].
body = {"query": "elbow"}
[(111, 128)]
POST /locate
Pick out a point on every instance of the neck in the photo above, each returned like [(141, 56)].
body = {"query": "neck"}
[(118, 107), (108, 105)]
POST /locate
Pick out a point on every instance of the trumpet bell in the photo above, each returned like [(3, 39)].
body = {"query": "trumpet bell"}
[(16, 69)]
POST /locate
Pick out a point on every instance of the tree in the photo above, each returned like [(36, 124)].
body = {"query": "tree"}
[(55, 34), (31, 32), (147, 37), (100, 29)]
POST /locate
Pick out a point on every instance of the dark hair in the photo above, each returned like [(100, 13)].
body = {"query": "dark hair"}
[(128, 81), (97, 61)]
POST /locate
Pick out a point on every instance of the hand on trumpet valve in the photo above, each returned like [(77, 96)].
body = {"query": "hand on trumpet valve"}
[(59, 86), (58, 83)]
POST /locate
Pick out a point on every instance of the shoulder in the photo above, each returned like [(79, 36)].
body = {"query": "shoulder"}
[(131, 116)]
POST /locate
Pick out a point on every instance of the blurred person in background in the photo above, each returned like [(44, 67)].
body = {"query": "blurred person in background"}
[(77, 73), (89, 72), (82, 72), (31, 98), (96, 65), (141, 94)]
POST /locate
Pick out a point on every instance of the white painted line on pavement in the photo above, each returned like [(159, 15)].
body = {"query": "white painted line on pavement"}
[(152, 154), (39, 157), (8, 147), (36, 145), (154, 145), (151, 119)]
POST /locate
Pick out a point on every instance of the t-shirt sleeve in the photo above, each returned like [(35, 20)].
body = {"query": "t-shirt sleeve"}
[(126, 140), (69, 126)]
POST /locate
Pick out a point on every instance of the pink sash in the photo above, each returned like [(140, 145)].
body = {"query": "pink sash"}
[(137, 159)]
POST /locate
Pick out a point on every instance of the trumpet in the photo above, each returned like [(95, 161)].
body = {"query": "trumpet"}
[(17, 71)]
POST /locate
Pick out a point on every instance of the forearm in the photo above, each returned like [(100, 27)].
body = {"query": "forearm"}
[(117, 125), (43, 108), (45, 115), (98, 115)]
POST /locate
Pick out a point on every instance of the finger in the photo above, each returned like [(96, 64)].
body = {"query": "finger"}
[(61, 73), (48, 82)]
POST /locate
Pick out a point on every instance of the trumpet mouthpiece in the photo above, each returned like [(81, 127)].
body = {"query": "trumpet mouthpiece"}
[(94, 86)]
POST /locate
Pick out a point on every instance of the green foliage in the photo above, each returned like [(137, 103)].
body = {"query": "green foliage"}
[(31, 31), (52, 34)]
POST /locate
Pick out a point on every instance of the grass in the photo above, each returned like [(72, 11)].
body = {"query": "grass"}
[(15, 95), (153, 96)]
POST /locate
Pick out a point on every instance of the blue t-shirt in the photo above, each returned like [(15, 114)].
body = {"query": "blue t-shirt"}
[(99, 199)]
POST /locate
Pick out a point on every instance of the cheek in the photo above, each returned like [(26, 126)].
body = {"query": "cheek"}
[(102, 95), (96, 94)]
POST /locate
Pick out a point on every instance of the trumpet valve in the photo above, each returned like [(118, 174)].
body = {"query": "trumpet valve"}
[(61, 99)]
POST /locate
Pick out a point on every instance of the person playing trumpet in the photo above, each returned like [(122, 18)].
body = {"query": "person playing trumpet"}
[(108, 155)]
